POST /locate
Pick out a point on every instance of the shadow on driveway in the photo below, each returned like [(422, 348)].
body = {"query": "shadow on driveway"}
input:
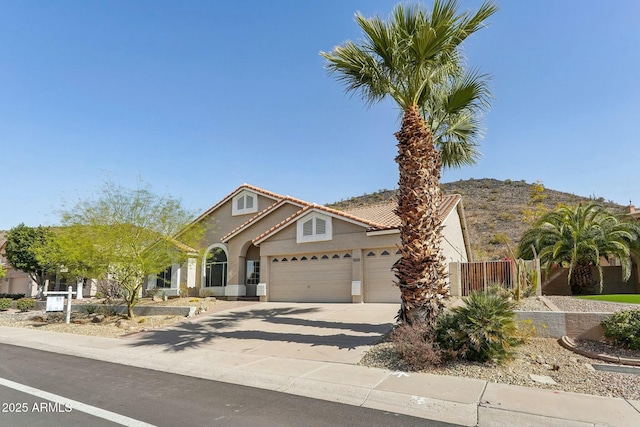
[(282, 324)]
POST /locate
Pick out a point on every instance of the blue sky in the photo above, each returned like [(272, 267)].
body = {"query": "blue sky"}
[(196, 98)]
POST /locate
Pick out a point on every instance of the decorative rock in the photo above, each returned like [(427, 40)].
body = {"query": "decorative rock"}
[(123, 324), (542, 379), (98, 318), (156, 298)]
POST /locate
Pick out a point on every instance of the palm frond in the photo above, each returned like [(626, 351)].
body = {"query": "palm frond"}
[(407, 56)]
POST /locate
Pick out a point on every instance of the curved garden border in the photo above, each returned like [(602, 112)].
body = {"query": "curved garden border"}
[(568, 343)]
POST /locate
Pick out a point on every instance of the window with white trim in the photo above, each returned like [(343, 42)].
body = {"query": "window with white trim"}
[(215, 268), (163, 280), (314, 228), (244, 203)]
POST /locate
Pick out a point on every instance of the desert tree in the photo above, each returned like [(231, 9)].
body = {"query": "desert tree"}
[(123, 235)]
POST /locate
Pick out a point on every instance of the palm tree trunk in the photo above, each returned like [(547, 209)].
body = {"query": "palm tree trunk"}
[(582, 280), (420, 271)]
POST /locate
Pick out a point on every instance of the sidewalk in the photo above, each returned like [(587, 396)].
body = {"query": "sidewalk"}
[(462, 401)]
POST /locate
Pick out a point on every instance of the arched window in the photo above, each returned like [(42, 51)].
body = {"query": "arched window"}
[(215, 267)]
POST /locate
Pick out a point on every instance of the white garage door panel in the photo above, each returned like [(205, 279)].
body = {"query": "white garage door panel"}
[(311, 281), (378, 277)]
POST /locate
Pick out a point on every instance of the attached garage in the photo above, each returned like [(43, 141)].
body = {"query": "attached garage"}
[(311, 278), (378, 277)]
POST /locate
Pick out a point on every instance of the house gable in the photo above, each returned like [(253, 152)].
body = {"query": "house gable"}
[(264, 199), (259, 219), (320, 210), (219, 220)]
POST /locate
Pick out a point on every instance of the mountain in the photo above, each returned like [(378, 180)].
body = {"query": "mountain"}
[(493, 209)]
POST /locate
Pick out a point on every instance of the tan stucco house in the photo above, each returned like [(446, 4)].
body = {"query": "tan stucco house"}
[(280, 248)]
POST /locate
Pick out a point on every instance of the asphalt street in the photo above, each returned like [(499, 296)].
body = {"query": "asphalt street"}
[(39, 388)]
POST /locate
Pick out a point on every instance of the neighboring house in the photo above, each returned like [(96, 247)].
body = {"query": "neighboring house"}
[(19, 282), (280, 248), (16, 281), (632, 211)]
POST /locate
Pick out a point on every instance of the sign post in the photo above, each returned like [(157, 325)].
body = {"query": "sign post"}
[(56, 303)]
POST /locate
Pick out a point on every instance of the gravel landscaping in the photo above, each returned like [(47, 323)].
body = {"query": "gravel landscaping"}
[(111, 326), (582, 305), (542, 358)]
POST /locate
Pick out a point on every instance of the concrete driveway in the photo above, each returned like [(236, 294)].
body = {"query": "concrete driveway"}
[(321, 332)]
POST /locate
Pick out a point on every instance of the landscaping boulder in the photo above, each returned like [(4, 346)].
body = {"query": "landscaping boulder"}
[(123, 324), (98, 318)]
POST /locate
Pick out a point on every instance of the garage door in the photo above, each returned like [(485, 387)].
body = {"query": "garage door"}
[(322, 277), (378, 277)]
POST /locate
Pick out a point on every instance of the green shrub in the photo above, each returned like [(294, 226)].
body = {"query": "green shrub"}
[(623, 327), (416, 347), (12, 296), (482, 330), (91, 308), (109, 310), (5, 303), (499, 289), (99, 295), (25, 304)]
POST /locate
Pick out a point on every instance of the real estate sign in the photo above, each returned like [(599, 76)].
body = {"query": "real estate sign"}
[(55, 303)]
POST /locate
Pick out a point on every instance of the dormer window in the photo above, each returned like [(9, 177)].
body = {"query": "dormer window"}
[(314, 228), (245, 203)]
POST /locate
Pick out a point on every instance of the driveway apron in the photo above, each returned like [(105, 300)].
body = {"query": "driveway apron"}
[(321, 332)]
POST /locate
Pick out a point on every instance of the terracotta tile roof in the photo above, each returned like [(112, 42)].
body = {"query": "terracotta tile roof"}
[(330, 211), (377, 217), (183, 247), (447, 204), (381, 214), (384, 214)]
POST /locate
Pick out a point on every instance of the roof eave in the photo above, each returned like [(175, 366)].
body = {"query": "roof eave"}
[(382, 232)]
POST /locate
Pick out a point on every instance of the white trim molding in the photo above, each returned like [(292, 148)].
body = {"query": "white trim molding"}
[(314, 227), (383, 232), (245, 202)]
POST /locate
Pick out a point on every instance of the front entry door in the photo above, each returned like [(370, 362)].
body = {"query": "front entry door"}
[(252, 277)]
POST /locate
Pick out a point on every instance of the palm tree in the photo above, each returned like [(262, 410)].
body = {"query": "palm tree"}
[(578, 238), (415, 59)]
